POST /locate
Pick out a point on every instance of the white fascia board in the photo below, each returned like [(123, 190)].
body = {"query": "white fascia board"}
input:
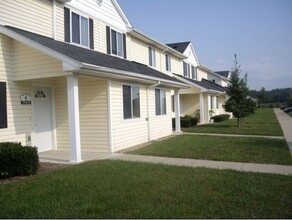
[(211, 72), (121, 13), (120, 74), (194, 52), (189, 83), (149, 40), (211, 91), (52, 53)]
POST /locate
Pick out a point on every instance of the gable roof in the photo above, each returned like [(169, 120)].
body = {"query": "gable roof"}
[(223, 73), (152, 42), (90, 59), (204, 84), (180, 47)]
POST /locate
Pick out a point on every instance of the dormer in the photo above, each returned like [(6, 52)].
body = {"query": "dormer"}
[(191, 62)]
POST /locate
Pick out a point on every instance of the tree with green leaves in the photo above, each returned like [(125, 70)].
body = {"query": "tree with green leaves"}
[(238, 102)]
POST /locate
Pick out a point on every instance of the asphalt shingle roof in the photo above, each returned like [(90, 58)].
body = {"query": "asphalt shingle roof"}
[(223, 73), (93, 57), (206, 84), (180, 47)]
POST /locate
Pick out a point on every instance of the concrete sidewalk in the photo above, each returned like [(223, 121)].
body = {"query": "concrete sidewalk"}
[(238, 166), (233, 135), (286, 124)]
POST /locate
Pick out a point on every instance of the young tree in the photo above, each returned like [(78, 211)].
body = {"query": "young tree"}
[(238, 103)]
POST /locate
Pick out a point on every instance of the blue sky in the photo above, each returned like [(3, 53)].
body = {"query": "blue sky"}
[(258, 31)]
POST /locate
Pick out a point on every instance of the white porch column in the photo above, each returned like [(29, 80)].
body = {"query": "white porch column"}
[(74, 124), (202, 109), (177, 111)]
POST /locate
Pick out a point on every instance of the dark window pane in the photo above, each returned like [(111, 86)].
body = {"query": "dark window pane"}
[(127, 102), (157, 102), (136, 101), (84, 31), (114, 42), (3, 105), (75, 28), (163, 102)]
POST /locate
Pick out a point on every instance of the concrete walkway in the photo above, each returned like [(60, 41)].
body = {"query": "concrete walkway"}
[(284, 120), (286, 124), (233, 135), (238, 166)]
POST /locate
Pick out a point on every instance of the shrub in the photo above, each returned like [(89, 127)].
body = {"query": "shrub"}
[(17, 160), (219, 118), (186, 121)]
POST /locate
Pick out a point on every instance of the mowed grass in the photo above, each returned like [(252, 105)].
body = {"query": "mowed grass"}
[(263, 122), (239, 149), (117, 189)]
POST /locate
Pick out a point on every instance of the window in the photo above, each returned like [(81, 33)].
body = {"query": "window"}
[(186, 69), (160, 101), (217, 102), (131, 101), (3, 105), (78, 29), (194, 73), (152, 57), (116, 43), (167, 62)]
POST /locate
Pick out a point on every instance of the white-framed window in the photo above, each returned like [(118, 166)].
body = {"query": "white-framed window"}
[(186, 69), (152, 57), (194, 73), (131, 101), (168, 62), (117, 43), (79, 29), (160, 101), (217, 102)]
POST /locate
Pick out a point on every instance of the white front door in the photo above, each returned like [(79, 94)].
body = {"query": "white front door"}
[(42, 116)]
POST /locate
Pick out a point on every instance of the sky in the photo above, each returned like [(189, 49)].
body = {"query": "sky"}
[(258, 31)]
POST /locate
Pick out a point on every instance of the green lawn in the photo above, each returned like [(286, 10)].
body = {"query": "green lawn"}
[(290, 114), (263, 122), (240, 149), (117, 189)]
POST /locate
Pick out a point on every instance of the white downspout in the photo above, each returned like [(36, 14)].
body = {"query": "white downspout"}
[(54, 19), (110, 127)]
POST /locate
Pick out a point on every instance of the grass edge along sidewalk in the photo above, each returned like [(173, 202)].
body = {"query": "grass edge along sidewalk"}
[(119, 189), (237, 149), (262, 122)]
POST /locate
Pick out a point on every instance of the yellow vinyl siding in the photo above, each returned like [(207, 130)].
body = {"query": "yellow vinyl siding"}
[(139, 52), (36, 65), (32, 15), (160, 126), (61, 113), (129, 132), (93, 114), (190, 103), (18, 116), (102, 38), (60, 22)]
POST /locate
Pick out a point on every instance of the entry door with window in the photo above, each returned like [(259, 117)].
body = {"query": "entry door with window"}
[(42, 115)]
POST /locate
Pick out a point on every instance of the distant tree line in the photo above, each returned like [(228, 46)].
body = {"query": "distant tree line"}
[(272, 96)]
